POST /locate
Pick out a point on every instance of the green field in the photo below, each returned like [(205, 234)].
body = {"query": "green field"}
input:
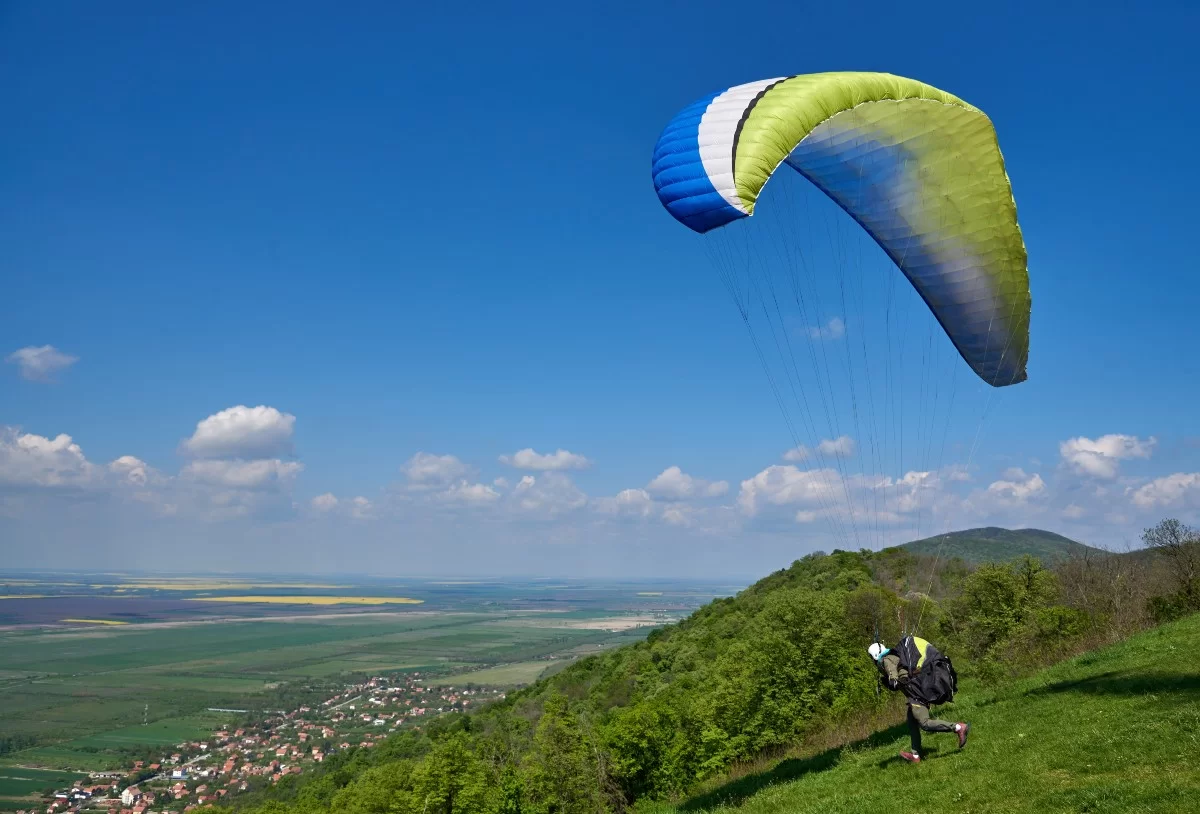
[(506, 675), (19, 781), (83, 692), (1117, 730), (166, 732), (64, 757)]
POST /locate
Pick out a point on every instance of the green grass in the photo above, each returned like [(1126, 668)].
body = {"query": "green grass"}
[(1117, 730)]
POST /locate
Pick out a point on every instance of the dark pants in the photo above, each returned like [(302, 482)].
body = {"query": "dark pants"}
[(918, 719)]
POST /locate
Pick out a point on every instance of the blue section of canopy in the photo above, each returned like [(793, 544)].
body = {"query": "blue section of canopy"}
[(876, 184), (680, 179)]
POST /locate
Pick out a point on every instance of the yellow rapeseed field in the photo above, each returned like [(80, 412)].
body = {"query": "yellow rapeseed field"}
[(95, 621), (314, 600)]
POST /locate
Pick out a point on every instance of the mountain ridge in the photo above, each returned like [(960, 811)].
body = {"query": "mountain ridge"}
[(995, 544)]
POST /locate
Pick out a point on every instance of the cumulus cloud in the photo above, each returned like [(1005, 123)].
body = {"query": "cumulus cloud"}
[(1022, 488), (39, 364), (555, 461), (674, 484), (35, 460), (236, 474), (130, 470), (843, 446), (1180, 489), (549, 493), (677, 516), (325, 503), (470, 494), (628, 502), (1101, 457), (243, 432), (358, 508), (834, 329), (783, 485), (427, 471), (1073, 511)]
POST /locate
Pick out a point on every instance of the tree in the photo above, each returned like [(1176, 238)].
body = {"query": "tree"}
[(1180, 543), (563, 775), (452, 779), (999, 603)]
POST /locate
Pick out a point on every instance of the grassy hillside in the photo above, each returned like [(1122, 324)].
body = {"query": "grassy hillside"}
[(1116, 730), (998, 545)]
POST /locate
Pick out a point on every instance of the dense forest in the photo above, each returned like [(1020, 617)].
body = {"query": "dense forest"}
[(783, 662)]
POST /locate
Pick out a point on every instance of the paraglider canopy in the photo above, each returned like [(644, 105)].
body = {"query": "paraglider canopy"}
[(918, 169)]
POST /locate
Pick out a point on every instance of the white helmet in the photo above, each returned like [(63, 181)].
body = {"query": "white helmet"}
[(876, 650)]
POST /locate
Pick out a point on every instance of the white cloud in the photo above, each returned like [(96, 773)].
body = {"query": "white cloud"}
[(1073, 511), (957, 473), (500, 483), (1180, 489), (130, 470), (360, 508), (243, 432), (470, 494), (674, 484), (1101, 457), (834, 329), (677, 516), (35, 460), (325, 503), (917, 490), (1020, 489), (629, 502), (427, 471), (39, 364), (236, 474), (843, 446), (782, 485), (550, 493), (555, 461)]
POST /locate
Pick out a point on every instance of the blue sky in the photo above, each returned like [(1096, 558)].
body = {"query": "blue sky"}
[(433, 231)]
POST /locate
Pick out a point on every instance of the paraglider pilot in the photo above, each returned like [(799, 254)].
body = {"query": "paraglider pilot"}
[(926, 677)]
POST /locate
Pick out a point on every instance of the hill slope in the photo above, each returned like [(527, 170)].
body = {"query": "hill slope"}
[(1116, 730), (999, 545)]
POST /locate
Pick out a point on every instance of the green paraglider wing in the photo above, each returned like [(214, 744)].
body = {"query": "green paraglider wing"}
[(918, 168)]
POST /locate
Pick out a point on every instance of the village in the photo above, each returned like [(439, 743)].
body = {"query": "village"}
[(198, 774)]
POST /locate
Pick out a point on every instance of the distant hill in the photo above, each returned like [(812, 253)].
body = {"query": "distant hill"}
[(999, 545)]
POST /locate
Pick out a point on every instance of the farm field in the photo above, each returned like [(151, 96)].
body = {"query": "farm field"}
[(20, 787), (505, 675), (79, 691)]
